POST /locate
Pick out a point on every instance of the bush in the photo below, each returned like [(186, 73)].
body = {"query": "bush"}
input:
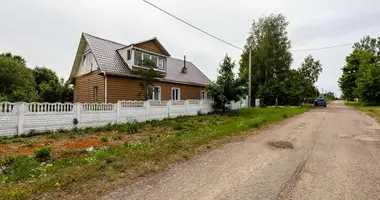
[(178, 127), (117, 137), (104, 139), (131, 128), (285, 115), (43, 154)]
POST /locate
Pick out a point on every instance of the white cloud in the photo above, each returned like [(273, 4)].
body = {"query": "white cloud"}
[(47, 33)]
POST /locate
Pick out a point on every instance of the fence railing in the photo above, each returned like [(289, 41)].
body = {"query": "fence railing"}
[(20, 118)]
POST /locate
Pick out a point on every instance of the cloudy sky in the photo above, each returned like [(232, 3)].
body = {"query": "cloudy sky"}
[(47, 32)]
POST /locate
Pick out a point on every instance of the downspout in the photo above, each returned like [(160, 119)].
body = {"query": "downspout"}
[(105, 86)]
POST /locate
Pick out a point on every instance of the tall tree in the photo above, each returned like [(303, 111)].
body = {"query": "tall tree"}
[(311, 69), (271, 57), (226, 88), (149, 75), (16, 80)]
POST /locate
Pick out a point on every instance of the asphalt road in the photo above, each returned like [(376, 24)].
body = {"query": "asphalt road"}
[(336, 155)]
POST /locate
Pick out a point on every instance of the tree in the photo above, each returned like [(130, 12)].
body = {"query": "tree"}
[(368, 78), (271, 58), (226, 88), (44, 75), (15, 57), (364, 54), (311, 69), (16, 80), (149, 75)]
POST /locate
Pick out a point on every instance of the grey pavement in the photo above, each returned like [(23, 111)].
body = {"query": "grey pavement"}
[(336, 155)]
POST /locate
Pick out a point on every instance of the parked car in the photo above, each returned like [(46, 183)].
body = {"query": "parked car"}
[(320, 102)]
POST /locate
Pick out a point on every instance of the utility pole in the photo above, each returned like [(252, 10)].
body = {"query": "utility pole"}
[(250, 78), (250, 75), (322, 93)]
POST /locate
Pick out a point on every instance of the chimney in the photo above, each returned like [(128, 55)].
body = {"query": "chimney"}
[(184, 68)]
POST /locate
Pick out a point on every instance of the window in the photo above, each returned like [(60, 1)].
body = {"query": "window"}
[(154, 93), (146, 56), (87, 59), (140, 56), (203, 95), (155, 60), (128, 54), (96, 92), (176, 94), (160, 64)]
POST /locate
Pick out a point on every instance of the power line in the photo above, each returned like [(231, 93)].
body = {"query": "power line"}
[(322, 48), (230, 44), (183, 21)]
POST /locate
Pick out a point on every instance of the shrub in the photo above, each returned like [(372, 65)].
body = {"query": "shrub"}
[(285, 115), (154, 123), (117, 137), (131, 128), (43, 154), (104, 139), (178, 127)]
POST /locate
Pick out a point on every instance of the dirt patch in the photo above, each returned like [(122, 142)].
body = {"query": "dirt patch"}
[(281, 144)]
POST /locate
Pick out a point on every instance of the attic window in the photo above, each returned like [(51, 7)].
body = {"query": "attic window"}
[(128, 54), (87, 59)]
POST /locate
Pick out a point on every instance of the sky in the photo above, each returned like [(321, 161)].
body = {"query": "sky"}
[(47, 32)]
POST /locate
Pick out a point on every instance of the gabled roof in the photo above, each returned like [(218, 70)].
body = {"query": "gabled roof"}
[(158, 43), (110, 61)]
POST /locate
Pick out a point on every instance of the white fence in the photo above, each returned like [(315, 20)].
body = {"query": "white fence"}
[(21, 118)]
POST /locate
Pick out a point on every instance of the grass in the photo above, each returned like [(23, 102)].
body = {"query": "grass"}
[(373, 111), (79, 177)]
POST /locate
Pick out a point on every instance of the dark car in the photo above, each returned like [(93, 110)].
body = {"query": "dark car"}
[(320, 102)]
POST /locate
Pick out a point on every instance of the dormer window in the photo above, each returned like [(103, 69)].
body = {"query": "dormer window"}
[(159, 61)]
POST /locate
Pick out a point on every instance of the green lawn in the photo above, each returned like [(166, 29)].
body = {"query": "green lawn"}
[(373, 111), (104, 169)]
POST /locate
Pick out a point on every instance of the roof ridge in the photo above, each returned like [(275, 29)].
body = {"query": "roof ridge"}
[(104, 39)]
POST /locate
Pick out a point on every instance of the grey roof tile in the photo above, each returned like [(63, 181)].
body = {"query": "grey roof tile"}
[(111, 62)]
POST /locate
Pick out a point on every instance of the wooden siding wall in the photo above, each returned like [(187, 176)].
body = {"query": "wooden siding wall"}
[(150, 46), (84, 88), (125, 88)]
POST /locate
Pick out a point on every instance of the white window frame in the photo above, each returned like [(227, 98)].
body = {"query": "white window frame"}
[(89, 58), (129, 54), (205, 95), (159, 94), (179, 94), (150, 57)]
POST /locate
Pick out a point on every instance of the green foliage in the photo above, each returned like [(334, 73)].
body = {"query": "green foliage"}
[(16, 80), (149, 74), (131, 128), (272, 77), (361, 75), (19, 83), (43, 153), (117, 137), (178, 127), (226, 88), (104, 139)]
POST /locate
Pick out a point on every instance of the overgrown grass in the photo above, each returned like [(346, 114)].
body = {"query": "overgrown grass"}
[(78, 177), (371, 110)]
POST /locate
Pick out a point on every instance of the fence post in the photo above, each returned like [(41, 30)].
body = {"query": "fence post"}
[(169, 104), (118, 107), (20, 118), (77, 112), (186, 107), (146, 104), (201, 106)]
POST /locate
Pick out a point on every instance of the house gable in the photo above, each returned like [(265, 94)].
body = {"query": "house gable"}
[(152, 45), (85, 61)]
